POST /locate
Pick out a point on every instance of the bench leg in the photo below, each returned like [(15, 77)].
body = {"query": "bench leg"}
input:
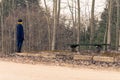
[(73, 50)]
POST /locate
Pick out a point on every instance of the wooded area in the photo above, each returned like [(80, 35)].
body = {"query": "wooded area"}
[(48, 29)]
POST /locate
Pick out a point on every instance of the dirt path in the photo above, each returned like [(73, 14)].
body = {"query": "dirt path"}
[(17, 71)]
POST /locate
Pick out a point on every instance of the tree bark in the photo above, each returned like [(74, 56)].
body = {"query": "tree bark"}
[(109, 24), (2, 27), (117, 25), (92, 22), (78, 32), (29, 27), (58, 12), (55, 24)]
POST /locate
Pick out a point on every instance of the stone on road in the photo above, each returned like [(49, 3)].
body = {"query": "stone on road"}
[(18, 71)]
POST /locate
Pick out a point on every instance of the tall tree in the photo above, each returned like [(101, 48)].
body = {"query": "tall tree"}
[(48, 23), (73, 10), (78, 33), (58, 12), (117, 24), (109, 24), (55, 24), (92, 22), (2, 27)]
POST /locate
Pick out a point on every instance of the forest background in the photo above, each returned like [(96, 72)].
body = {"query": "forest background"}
[(49, 28)]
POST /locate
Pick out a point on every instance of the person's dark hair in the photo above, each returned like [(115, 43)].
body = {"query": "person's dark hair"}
[(19, 20)]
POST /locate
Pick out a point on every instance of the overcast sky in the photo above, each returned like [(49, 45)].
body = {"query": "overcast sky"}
[(85, 4)]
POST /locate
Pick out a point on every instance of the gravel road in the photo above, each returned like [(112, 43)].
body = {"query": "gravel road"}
[(18, 71)]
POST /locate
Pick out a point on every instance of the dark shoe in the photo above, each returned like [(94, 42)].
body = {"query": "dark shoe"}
[(18, 51)]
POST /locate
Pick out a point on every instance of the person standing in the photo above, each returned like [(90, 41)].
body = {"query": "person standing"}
[(19, 35)]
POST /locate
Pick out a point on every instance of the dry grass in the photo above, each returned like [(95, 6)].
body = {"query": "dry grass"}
[(110, 54)]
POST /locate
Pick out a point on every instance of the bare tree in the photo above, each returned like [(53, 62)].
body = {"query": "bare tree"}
[(109, 24), (2, 27), (55, 24), (117, 24), (48, 22), (28, 25), (78, 32), (14, 28), (58, 11), (92, 22), (72, 12)]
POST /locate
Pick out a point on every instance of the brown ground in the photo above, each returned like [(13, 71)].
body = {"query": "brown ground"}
[(18, 71)]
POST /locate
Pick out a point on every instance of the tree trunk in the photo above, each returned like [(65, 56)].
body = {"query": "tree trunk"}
[(29, 28), (14, 29), (109, 24), (2, 27), (55, 24), (78, 32), (92, 23), (58, 12), (117, 24)]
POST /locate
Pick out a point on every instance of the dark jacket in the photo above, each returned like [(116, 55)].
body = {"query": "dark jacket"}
[(20, 32)]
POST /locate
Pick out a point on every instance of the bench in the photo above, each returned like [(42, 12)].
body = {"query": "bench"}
[(97, 46)]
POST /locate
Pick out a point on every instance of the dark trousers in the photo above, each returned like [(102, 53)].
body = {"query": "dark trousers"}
[(19, 45)]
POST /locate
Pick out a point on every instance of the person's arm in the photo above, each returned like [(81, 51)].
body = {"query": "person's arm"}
[(22, 33)]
